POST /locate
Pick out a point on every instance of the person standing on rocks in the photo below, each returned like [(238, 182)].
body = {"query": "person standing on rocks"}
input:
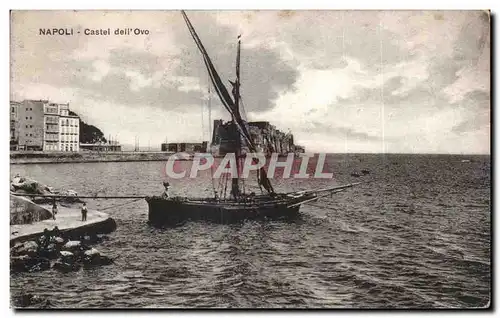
[(84, 212)]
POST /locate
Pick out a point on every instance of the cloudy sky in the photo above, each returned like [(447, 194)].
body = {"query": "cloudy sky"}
[(341, 81)]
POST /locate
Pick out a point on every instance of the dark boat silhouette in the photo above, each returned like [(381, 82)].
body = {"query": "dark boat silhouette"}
[(238, 205)]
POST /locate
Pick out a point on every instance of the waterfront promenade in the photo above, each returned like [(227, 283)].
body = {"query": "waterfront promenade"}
[(34, 157), (68, 220)]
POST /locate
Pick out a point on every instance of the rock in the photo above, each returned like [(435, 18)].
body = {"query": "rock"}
[(68, 257), (51, 251), (16, 249), (57, 240), (71, 196), (72, 193), (26, 300), (365, 171), (93, 257), (19, 263), (40, 265), (66, 267), (66, 254), (26, 263), (30, 246), (29, 186), (26, 248), (72, 245), (102, 237), (92, 253), (87, 239)]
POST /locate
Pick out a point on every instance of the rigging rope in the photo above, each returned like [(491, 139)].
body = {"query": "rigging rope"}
[(243, 112), (210, 134), (202, 123)]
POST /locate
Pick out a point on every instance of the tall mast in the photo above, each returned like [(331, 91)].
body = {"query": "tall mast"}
[(236, 85), (210, 130), (235, 187)]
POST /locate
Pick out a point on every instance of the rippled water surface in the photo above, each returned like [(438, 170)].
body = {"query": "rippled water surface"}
[(417, 235)]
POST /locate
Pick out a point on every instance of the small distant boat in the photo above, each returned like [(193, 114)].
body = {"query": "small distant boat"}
[(466, 160)]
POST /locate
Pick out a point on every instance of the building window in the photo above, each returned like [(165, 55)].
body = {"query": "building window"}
[(31, 126), (26, 126), (26, 117), (30, 117), (26, 108), (31, 135), (13, 110)]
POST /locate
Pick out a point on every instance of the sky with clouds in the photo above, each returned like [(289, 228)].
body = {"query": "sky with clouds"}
[(341, 81)]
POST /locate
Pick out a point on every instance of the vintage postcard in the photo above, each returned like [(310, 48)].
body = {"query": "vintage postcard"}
[(250, 159)]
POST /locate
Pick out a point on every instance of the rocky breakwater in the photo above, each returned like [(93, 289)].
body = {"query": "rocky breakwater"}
[(24, 185), (54, 251), (65, 248)]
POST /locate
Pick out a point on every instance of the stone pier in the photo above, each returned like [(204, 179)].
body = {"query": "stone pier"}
[(68, 220)]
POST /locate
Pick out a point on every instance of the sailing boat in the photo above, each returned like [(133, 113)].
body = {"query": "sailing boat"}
[(239, 205)]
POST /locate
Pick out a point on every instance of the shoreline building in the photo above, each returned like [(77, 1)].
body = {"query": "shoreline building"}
[(193, 147), (14, 125), (69, 130), (109, 146), (266, 137), (45, 126)]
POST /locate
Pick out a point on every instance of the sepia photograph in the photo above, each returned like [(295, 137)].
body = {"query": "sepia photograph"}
[(251, 159)]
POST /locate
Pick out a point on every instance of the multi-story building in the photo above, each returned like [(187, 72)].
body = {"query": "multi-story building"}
[(51, 140), (47, 126), (14, 129), (69, 130), (30, 123)]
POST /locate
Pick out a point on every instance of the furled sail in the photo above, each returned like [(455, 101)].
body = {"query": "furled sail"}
[(231, 106)]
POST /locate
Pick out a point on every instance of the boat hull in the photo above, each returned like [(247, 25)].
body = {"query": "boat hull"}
[(170, 212)]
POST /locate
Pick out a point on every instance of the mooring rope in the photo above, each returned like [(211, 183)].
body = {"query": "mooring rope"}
[(119, 205)]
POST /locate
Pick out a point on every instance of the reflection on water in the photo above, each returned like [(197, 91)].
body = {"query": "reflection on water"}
[(418, 235)]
